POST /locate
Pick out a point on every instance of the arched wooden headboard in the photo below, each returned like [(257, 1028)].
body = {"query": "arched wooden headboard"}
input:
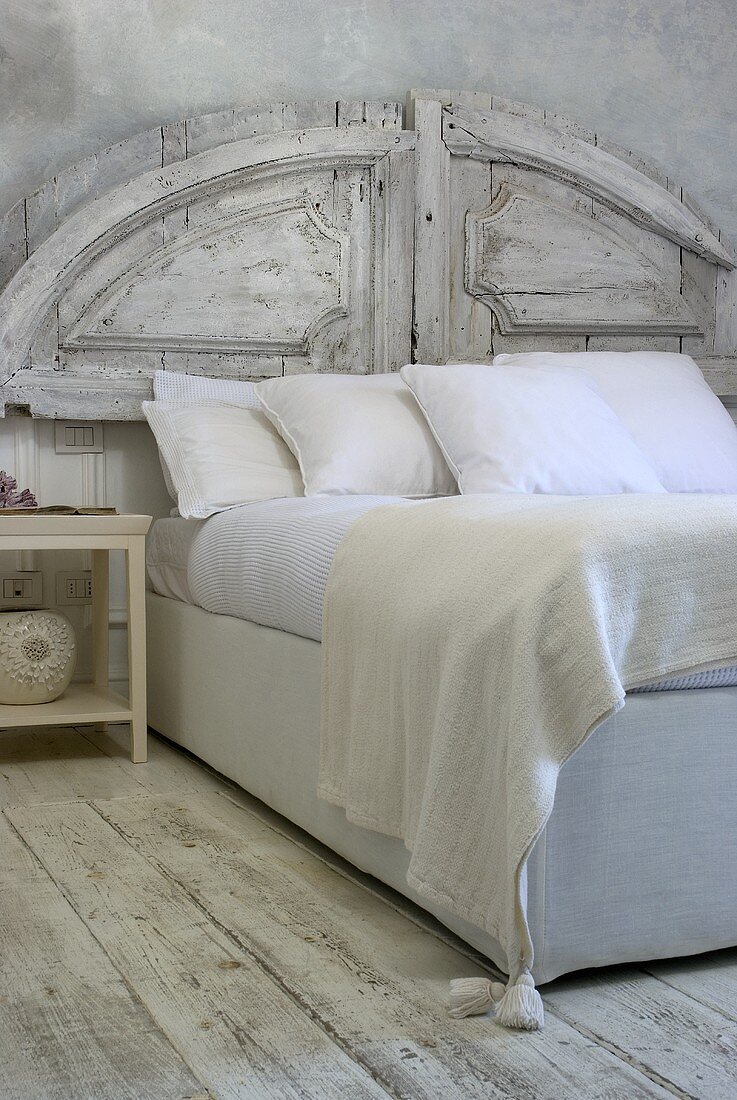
[(323, 236)]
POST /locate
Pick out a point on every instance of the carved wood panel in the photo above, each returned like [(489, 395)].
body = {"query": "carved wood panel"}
[(545, 268), (321, 236), (266, 250), (533, 233)]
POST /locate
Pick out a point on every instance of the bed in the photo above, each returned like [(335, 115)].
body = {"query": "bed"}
[(354, 237), (628, 839)]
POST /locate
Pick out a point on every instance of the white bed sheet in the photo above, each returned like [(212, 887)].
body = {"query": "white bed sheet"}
[(268, 562)]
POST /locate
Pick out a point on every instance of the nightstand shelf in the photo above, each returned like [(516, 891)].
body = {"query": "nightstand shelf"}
[(80, 704), (92, 703)]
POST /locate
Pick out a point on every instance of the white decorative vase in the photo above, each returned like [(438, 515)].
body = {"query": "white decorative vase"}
[(38, 653)]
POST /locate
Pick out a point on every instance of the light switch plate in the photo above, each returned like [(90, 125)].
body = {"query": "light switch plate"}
[(73, 588), (78, 437), (20, 589)]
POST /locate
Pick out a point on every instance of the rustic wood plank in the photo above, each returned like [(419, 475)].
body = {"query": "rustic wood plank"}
[(684, 1042), (70, 1027), (498, 135), (700, 294), (432, 246), (392, 191), (710, 979), (469, 319), (58, 764), (244, 1036), (13, 249), (100, 172), (167, 769), (215, 175), (374, 979), (725, 332), (315, 112), (383, 114), (720, 371), (174, 149)]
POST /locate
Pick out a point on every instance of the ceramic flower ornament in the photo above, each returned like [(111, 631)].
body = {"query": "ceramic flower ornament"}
[(37, 654)]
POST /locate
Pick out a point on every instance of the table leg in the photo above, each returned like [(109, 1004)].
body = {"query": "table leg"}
[(136, 575), (100, 623)]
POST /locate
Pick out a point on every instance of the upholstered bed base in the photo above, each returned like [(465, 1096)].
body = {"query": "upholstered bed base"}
[(632, 864)]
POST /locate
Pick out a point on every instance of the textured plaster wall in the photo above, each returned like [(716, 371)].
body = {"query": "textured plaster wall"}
[(658, 76)]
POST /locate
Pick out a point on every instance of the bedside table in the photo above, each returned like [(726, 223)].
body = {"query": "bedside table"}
[(93, 703)]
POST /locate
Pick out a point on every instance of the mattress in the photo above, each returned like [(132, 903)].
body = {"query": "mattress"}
[(268, 563)]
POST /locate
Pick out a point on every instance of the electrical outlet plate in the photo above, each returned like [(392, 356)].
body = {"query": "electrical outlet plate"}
[(20, 589), (78, 437), (73, 588)]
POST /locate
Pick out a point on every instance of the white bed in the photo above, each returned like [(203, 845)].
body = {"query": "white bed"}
[(630, 866)]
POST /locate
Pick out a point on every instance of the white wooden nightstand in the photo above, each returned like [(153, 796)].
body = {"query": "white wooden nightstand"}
[(93, 703)]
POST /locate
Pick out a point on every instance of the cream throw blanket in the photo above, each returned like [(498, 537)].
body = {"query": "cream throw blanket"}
[(471, 644)]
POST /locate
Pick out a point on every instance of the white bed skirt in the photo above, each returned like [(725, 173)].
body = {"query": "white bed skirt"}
[(632, 865)]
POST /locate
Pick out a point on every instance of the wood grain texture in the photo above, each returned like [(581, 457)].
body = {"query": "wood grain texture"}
[(375, 981), (191, 269), (545, 268), (501, 135), (243, 1035), (199, 920), (135, 273), (71, 1026), (647, 291), (684, 1042)]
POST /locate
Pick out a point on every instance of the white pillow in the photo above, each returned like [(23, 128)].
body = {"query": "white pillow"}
[(221, 455), (170, 385), (667, 406), (190, 389), (520, 430), (356, 434)]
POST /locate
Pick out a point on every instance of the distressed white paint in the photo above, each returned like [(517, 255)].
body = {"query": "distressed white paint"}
[(545, 268), (567, 245), (498, 135), (168, 910), (269, 249)]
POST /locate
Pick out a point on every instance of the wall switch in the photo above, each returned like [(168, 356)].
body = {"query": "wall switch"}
[(21, 589), (73, 588), (78, 437)]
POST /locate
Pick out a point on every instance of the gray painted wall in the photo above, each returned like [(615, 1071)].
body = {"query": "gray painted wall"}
[(658, 76)]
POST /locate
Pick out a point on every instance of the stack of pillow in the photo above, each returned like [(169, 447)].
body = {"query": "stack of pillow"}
[(579, 423)]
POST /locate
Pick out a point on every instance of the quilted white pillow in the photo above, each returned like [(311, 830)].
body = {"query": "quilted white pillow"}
[(170, 385), (520, 430), (356, 434), (667, 406), (220, 455), (191, 389)]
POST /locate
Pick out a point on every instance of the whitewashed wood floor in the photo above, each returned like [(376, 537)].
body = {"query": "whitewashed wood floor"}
[(164, 936)]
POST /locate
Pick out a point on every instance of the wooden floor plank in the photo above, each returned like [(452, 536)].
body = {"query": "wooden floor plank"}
[(682, 1040), (57, 764), (242, 1034), (167, 768), (373, 978), (70, 1027), (710, 979)]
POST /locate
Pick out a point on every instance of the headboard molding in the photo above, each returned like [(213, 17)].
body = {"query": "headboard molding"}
[(497, 136), (322, 236), (532, 232)]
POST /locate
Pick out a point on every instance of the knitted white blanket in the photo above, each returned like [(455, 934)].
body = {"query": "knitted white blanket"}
[(471, 644)]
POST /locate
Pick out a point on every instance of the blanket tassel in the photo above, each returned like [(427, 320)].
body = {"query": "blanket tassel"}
[(519, 1005), (472, 996)]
